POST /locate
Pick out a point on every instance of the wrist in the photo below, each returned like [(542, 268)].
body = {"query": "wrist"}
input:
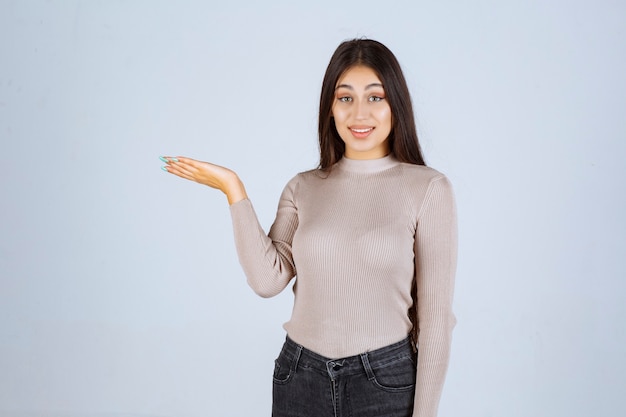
[(234, 190)]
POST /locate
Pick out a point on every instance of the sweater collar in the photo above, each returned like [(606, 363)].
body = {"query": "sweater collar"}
[(365, 166)]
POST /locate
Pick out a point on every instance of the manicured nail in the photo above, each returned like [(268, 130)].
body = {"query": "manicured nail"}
[(174, 159), (164, 169), (162, 158)]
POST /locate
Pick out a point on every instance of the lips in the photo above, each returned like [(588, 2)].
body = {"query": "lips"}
[(361, 132)]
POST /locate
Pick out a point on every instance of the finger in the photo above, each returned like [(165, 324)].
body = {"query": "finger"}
[(168, 159), (187, 169), (184, 159), (180, 173), (172, 164), (189, 163), (180, 169), (179, 160), (192, 164)]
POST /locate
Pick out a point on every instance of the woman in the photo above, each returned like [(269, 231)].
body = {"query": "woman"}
[(371, 236)]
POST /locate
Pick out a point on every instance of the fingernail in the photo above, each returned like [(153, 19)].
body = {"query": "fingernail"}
[(164, 169), (174, 159), (162, 158)]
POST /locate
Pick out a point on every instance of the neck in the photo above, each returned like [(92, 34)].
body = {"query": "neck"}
[(367, 165)]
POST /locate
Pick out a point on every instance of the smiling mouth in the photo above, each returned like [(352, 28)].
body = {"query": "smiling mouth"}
[(366, 130)]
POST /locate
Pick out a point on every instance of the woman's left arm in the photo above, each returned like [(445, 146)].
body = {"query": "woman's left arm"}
[(435, 268)]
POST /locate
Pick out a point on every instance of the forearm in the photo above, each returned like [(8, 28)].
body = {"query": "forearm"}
[(267, 264)]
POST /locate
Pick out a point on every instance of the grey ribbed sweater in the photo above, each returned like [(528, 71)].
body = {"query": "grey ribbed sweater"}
[(356, 238)]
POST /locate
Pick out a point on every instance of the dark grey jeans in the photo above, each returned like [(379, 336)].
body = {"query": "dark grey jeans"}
[(380, 383)]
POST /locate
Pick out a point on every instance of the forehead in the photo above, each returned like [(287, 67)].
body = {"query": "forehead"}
[(358, 75)]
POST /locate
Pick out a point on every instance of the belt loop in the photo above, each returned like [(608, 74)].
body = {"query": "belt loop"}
[(296, 359), (366, 365)]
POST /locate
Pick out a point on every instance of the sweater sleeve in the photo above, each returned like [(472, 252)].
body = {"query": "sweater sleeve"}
[(266, 259), (435, 268)]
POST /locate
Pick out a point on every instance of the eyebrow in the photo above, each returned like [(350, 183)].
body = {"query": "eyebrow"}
[(349, 87)]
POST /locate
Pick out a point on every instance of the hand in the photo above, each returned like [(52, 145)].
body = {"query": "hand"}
[(212, 175)]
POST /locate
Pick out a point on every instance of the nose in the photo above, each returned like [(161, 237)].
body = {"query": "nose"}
[(361, 110)]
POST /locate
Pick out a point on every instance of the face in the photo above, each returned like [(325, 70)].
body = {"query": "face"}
[(362, 114)]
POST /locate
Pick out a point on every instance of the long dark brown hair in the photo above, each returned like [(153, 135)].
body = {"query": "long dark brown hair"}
[(403, 140)]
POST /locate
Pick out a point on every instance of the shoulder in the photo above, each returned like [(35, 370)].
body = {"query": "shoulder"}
[(307, 176), (302, 179), (315, 173), (422, 174), (424, 186)]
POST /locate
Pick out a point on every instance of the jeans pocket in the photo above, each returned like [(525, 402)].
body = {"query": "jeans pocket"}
[(284, 368), (396, 376)]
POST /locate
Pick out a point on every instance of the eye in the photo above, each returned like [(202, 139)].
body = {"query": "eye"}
[(376, 98), (344, 99)]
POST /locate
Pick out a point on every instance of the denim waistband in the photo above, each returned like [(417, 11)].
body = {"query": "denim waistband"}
[(351, 365)]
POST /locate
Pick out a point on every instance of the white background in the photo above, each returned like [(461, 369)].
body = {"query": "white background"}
[(120, 290)]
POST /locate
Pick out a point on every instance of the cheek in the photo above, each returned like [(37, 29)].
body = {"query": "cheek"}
[(386, 120), (339, 117), (385, 115)]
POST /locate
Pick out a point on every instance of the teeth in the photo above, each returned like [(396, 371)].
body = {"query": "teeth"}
[(361, 130)]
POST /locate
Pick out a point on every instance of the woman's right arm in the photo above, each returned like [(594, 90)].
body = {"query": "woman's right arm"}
[(266, 259)]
